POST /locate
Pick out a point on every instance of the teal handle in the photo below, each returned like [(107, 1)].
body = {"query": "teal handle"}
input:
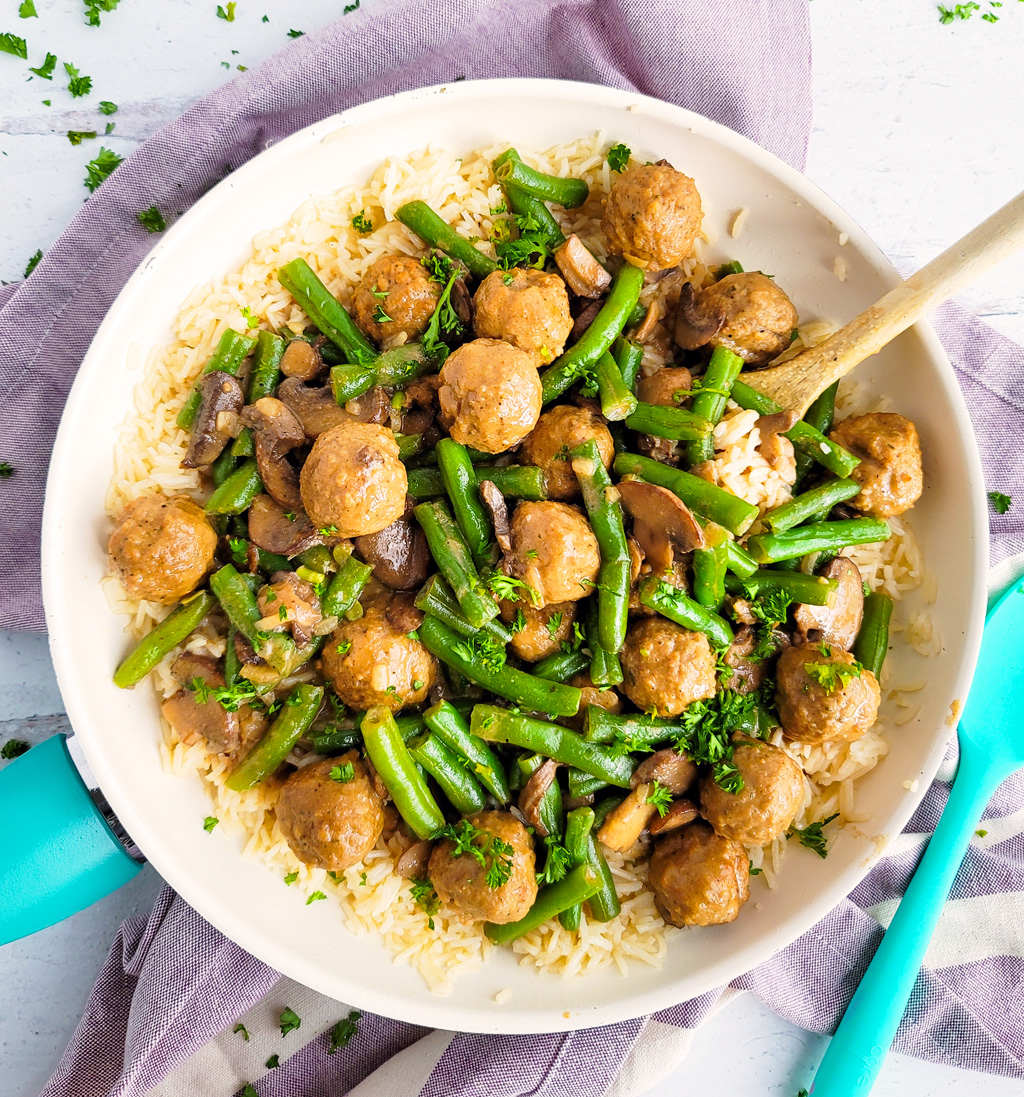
[(855, 1055), (58, 855)]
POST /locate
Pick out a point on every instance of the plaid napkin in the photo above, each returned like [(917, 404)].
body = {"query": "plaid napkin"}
[(162, 1016)]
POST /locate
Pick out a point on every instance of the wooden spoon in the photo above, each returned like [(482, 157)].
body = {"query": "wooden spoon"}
[(796, 383)]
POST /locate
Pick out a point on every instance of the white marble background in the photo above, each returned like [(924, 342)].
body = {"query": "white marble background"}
[(917, 133)]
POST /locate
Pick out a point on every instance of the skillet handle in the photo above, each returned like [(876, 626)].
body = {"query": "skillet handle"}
[(58, 854)]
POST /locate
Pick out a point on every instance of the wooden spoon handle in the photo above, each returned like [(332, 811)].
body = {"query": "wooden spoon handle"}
[(796, 383)]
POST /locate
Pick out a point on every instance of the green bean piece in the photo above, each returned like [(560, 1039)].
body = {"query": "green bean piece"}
[(561, 666), (584, 784), (672, 603), (872, 642), (397, 769), (349, 381), (581, 358), (813, 505), (461, 485), (515, 481), (335, 740), (514, 685), (408, 445), (642, 732), (183, 620), (708, 500), (498, 725), (317, 558), (767, 548), (464, 792), (605, 668), (238, 601), (269, 562), (428, 226), (455, 562), (628, 357), (617, 400), (223, 466), (232, 350), (677, 424), (436, 598), (293, 721), (811, 590), (729, 268), (840, 462), (575, 888), (263, 380), (578, 825), (637, 315), (449, 725), (527, 205), (345, 587), (232, 664), (820, 415), (238, 490), (425, 483), (738, 560), (709, 566), (605, 513), (603, 808), (568, 193), (709, 403), (549, 808), (326, 311), (604, 903)]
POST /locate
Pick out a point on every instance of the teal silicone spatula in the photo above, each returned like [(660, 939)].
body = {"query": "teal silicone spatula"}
[(991, 736)]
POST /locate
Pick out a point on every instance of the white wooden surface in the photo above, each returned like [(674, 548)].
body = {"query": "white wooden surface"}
[(916, 133)]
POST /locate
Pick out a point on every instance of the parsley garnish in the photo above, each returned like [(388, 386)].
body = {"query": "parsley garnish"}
[(425, 897), (531, 248), (249, 1090), (444, 317), (243, 1030), (239, 551), (381, 317), (362, 223), (811, 836), (78, 85), (660, 797), (1000, 503), (506, 588), (27, 10), (556, 863), (344, 773), (32, 264), (45, 70), (618, 157), (13, 748), (12, 44), (210, 822), (344, 647), (483, 649), (289, 1020), (518, 622), (482, 846), (273, 1061), (76, 137), (230, 698), (228, 13), (290, 878), (751, 870), (344, 1031), (772, 610), (531, 554), (296, 33), (93, 9), (100, 168), (554, 623), (315, 897), (152, 220), (106, 107), (707, 732), (832, 676), (327, 531)]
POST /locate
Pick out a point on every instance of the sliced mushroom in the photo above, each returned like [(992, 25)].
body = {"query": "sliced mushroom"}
[(398, 553), (291, 603), (374, 406), (412, 864), (533, 793), (191, 665), (645, 330), (497, 508), (302, 360), (583, 274), (271, 528), (694, 327), (277, 431), (779, 422), (244, 650), (402, 614), (627, 822), (747, 674), (462, 302), (838, 622), (222, 400), (585, 317), (662, 523), (315, 408), (669, 768), (774, 447), (193, 719), (680, 812)]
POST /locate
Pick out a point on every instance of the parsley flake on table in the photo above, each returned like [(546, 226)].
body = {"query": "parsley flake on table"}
[(210, 822), (27, 10), (76, 137), (981, 833), (78, 85), (265, 19), (618, 157), (349, 8), (273, 1062), (243, 1030), (12, 44), (249, 1090), (1000, 503), (344, 1031), (45, 70), (811, 836), (289, 1020), (109, 130), (93, 8), (99, 168), (13, 748), (228, 13), (296, 33), (342, 774), (152, 220), (106, 107), (316, 896), (29, 268)]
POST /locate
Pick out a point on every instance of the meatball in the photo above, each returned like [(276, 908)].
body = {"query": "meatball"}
[(372, 662), (161, 547), (461, 881), (398, 288), (698, 877), (653, 216), (665, 387), (330, 824), (527, 308), (889, 472), (554, 551), (544, 628), (773, 790), (826, 705), (666, 667), (558, 431), (353, 480), (490, 395), (758, 317)]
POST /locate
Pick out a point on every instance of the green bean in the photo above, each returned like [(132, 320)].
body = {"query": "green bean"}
[(425, 483), (436, 598), (464, 792), (617, 400), (263, 380), (269, 562), (293, 721), (238, 490), (578, 825), (605, 668), (729, 268), (840, 462), (766, 548), (628, 356), (637, 315), (709, 566), (549, 807), (584, 784), (498, 725), (738, 560), (326, 311), (317, 558), (460, 483), (223, 466), (335, 740), (677, 424), (427, 225), (232, 664), (238, 601), (349, 381), (561, 666), (708, 500), (715, 386), (397, 769), (811, 590), (582, 356), (604, 903), (576, 887), (604, 808), (179, 623), (515, 481), (642, 732), (676, 606), (872, 642), (232, 350), (527, 205), (820, 415), (450, 726), (813, 505), (514, 685), (408, 445), (453, 558), (569, 193), (345, 587), (605, 513)]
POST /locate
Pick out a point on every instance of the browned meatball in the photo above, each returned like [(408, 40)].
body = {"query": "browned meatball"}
[(758, 317), (558, 431), (698, 877), (773, 789), (666, 667), (461, 882), (161, 547), (665, 387), (554, 551), (889, 472), (826, 705), (527, 308), (395, 299), (490, 395), (353, 480), (652, 216), (544, 629), (329, 823), (372, 662)]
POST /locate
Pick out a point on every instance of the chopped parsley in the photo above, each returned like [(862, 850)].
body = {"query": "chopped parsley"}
[(981, 833), (751, 870), (362, 879), (12, 44), (1000, 503), (554, 623), (444, 317), (230, 698), (362, 223), (152, 220), (106, 107), (530, 247), (660, 797), (249, 1090), (832, 676), (273, 1061), (296, 33), (45, 70), (315, 897), (349, 8), (6, 468), (210, 822), (344, 647), (811, 836), (344, 1031), (13, 748), (32, 264), (772, 611), (493, 854), (94, 7), (962, 12), (618, 157), (78, 85), (343, 774), (556, 863), (76, 137), (425, 897), (381, 317), (507, 588), (227, 13), (27, 10), (243, 1030), (100, 168), (289, 1020), (327, 531), (483, 649), (518, 622), (290, 878)]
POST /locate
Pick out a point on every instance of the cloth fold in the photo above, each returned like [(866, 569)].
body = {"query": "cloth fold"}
[(163, 1011)]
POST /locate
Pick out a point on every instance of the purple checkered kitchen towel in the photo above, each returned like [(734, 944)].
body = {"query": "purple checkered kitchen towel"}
[(163, 1015)]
